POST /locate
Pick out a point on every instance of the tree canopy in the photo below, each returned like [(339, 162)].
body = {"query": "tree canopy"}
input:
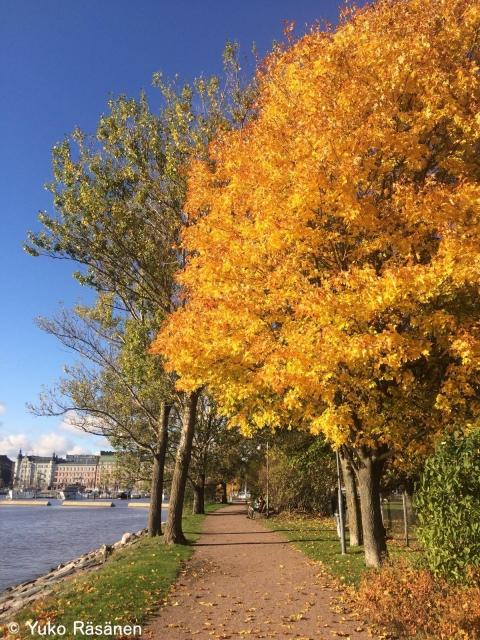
[(335, 238), (119, 196), (333, 282)]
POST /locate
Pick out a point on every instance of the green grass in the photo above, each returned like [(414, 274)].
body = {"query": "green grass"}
[(132, 585), (317, 539)]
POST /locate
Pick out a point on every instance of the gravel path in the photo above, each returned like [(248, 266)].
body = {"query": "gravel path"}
[(245, 581)]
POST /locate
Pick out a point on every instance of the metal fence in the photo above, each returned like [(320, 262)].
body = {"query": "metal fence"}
[(399, 518)]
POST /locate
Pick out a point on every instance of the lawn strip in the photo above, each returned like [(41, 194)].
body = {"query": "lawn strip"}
[(133, 584), (317, 538)]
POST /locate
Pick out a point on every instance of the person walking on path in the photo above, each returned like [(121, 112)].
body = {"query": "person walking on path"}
[(245, 580)]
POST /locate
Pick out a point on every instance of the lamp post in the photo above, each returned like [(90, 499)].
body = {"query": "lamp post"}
[(340, 507)]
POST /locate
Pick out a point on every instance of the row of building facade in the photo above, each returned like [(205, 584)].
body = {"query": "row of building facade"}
[(53, 472), (6, 471)]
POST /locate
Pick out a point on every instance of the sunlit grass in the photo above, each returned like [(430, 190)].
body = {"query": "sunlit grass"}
[(317, 538)]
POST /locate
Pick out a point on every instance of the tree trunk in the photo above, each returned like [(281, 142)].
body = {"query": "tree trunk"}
[(224, 492), (156, 491), (173, 527), (353, 502), (199, 494), (368, 473)]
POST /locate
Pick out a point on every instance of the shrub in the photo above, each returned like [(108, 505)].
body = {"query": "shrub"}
[(448, 506)]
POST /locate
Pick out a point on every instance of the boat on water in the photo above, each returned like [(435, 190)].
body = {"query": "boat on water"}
[(21, 494), (72, 492)]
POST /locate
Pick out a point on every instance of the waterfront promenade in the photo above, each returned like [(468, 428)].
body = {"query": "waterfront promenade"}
[(244, 580)]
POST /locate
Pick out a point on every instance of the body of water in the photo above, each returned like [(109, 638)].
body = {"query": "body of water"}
[(33, 540)]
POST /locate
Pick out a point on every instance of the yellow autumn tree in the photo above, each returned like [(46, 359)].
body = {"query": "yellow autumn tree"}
[(334, 283)]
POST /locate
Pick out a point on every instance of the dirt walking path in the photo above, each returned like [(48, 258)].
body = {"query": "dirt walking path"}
[(245, 581)]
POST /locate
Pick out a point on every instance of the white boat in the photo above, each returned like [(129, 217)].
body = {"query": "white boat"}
[(71, 492), (21, 494)]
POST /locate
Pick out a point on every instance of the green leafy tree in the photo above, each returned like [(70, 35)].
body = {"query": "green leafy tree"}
[(448, 505), (116, 389), (301, 472), (230, 459), (208, 428), (119, 196), (219, 453)]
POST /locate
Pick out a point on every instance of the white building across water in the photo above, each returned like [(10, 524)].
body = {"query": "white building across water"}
[(52, 472)]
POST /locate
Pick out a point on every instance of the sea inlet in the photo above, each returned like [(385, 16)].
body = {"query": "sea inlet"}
[(33, 540)]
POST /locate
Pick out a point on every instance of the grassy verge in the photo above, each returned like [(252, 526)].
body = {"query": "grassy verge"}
[(132, 585), (317, 538)]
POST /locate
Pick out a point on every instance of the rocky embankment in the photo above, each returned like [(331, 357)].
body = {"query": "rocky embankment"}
[(14, 598)]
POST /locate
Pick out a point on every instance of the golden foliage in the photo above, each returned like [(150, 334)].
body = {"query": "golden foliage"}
[(334, 281)]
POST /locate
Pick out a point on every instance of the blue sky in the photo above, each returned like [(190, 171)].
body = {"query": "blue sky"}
[(60, 62)]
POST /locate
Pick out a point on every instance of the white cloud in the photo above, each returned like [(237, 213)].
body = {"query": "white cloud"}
[(2, 408), (47, 443), (103, 444), (11, 445), (77, 450), (68, 425), (44, 445)]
